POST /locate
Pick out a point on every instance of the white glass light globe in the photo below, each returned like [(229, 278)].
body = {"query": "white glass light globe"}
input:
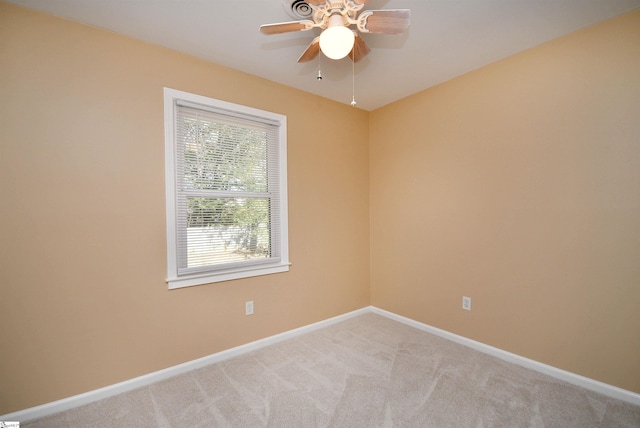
[(336, 42)]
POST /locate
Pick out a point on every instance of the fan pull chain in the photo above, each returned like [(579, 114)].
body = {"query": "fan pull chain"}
[(319, 70), (353, 81)]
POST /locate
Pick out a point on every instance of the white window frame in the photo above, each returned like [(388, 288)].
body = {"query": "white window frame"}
[(234, 270)]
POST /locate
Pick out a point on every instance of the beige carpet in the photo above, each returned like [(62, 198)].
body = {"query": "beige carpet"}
[(368, 371)]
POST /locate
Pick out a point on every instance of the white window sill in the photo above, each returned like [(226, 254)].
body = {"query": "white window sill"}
[(208, 278)]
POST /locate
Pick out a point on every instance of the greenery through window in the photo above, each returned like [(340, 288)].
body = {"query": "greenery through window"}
[(228, 190), (230, 159)]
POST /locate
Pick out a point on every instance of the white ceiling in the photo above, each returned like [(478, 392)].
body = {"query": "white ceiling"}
[(446, 38)]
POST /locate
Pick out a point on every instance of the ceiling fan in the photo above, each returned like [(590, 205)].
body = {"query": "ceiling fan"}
[(334, 18)]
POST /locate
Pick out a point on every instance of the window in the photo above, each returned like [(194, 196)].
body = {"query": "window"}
[(226, 185)]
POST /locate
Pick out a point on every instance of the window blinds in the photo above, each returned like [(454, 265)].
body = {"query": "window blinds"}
[(226, 189)]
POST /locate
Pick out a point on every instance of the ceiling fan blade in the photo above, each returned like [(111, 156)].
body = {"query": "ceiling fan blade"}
[(315, 2), (393, 21), (361, 1), (311, 52), (360, 49), (286, 27)]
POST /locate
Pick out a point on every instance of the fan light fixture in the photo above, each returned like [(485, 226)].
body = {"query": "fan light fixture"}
[(337, 40), (335, 17)]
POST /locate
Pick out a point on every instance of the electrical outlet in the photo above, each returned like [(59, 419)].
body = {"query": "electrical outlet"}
[(248, 308), (466, 303)]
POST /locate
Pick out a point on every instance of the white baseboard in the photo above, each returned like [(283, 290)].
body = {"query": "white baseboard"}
[(141, 381), (138, 382), (563, 375)]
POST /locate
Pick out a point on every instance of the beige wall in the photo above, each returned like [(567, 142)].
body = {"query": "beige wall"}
[(519, 185), (83, 302)]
